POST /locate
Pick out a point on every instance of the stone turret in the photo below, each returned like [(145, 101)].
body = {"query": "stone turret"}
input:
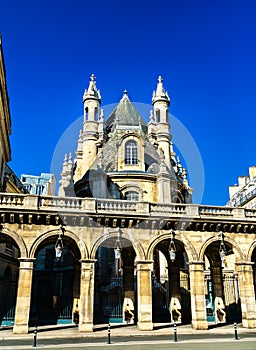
[(66, 188), (92, 136), (161, 124)]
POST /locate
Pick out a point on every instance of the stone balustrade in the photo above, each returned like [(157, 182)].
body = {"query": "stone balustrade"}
[(11, 200), (115, 205), (216, 211), (92, 205)]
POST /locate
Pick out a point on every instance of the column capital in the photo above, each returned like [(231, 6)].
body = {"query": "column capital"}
[(143, 265), (245, 263), (27, 259), (87, 261), (26, 263), (196, 265), (144, 262), (193, 262)]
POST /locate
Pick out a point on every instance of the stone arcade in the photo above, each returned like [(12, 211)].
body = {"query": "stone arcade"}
[(126, 189)]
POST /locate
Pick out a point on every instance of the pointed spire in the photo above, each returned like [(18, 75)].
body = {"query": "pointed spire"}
[(92, 92), (80, 142), (160, 94), (101, 116), (70, 160), (65, 159), (125, 96), (151, 116)]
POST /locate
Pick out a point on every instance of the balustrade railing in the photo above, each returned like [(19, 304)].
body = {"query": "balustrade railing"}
[(60, 202), (216, 211), (9, 199), (250, 213), (92, 205), (168, 208), (115, 205)]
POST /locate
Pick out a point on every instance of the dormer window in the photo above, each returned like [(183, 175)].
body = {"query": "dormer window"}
[(132, 196), (131, 152)]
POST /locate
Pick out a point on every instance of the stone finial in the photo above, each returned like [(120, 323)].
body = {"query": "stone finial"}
[(65, 159), (160, 94), (151, 116), (101, 115), (101, 156), (162, 156), (160, 79), (125, 96), (92, 92), (184, 174)]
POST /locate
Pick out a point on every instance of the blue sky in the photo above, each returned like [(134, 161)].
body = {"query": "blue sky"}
[(205, 51)]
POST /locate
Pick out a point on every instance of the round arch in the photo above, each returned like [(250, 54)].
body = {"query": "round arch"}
[(237, 250), (18, 240), (140, 254), (250, 251), (80, 243), (190, 250)]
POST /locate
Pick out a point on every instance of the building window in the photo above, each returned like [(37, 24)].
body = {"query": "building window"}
[(132, 196), (28, 187), (157, 116), (39, 189), (131, 152)]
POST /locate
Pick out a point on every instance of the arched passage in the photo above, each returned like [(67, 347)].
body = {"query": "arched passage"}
[(170, 279), (10, 252), (252, 258), (221, 279), (115, 282), (56, 281)]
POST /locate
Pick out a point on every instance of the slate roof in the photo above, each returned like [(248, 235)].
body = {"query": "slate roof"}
[(125, 114)]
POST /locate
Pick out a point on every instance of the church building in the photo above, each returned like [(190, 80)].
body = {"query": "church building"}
[(124, 158), (123, 242)]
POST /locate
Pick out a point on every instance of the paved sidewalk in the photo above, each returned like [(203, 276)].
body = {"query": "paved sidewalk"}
[(161, 338), (71, 332)]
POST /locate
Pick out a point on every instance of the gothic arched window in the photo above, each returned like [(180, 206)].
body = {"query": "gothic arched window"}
[(131, 152)]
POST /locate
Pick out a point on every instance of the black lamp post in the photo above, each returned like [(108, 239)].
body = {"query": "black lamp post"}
[(222, 250), (118, 248), (172, 248), (59, 244)]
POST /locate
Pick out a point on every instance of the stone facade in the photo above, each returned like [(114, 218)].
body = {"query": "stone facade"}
[(196, 278), (122, 242), (123, 157)]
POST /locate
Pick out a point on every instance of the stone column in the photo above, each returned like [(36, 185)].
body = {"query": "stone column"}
[(247, 295), (23, 300), (198, 305), (76, 293), (219, 300), (86, 295), (128, 282), (174, 281), (144, 290), (175, 295)]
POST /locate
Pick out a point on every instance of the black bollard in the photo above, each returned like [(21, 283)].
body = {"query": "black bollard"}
[(235, 330), (175, 339), (35, 334), (109, 342)]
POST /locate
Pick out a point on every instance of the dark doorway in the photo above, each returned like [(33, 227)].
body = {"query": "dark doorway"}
[(52, 291), (9, 272), (109, 296)]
